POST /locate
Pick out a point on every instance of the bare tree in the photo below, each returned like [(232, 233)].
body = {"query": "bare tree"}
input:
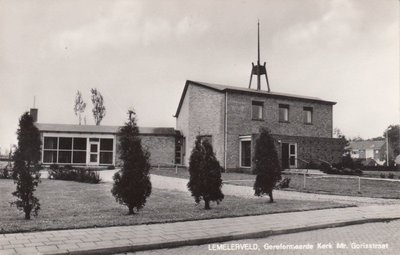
[(79, 106), (99, 110)]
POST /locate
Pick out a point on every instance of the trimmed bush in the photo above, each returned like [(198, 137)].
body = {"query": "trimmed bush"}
[(132, 184), (266, 165), (78, 175), (205, 174), (382, 175), (391, 176)]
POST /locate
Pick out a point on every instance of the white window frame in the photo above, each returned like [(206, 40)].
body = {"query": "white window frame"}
[(79, 135), (245, 138), (291, 155)]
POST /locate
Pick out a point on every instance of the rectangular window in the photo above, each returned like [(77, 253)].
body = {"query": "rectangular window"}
[(50, 147), (80, 144), (64, 157), (79, 153), (245, 153), (308, 115), (284, 113), (79, 157), (106, 157), (50, 143), (106, 151), (257, 110), (65, 143), (179, 150), (49, 156)]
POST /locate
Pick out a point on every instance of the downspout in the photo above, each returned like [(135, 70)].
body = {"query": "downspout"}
[(226, 129)]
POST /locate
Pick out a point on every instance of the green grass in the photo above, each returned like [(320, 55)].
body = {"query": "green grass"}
[(68, 205), (347, 186)]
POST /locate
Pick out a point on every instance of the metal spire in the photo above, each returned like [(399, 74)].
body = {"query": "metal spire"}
[(259, 69)]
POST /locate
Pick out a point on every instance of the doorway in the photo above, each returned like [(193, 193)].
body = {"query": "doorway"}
[(94, 152), (289, 155)]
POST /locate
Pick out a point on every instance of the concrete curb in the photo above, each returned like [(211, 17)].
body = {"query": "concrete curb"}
[(212, 239)]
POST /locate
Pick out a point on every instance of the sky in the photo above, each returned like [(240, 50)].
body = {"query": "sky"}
[(140, 53)]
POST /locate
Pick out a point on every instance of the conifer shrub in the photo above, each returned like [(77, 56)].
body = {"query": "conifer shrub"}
[(266, 165), (132, 184), (205, 174), (26, 166)]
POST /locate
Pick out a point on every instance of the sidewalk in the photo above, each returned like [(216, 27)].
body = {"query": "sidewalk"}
[(144, 237)]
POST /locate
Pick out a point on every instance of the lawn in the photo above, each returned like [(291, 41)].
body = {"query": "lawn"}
[(337, 185), (67, 205), (376, 174)]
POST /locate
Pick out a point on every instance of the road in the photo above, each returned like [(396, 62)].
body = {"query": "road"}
[(384, 236)]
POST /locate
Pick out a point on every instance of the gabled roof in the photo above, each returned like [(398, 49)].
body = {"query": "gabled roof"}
[(70, 128), (364, 145), (223, 88)]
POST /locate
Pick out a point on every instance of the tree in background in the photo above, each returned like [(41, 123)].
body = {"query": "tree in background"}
[(79, 106), (99, 110), (26, 166), (205, 174), (132, 183), (266, 164)]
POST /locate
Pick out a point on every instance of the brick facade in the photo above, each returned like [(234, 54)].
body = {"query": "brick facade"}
[(161, 148), (201, 115), (225, 113)]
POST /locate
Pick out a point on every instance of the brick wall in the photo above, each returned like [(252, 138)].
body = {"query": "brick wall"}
[(240, 123), (240, 120), (314, 148), (309, 149), (161, 148), (202, 113)]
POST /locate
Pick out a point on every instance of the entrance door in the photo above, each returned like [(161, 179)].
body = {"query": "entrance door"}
[(285, 155), (94, 153), (289, 155)]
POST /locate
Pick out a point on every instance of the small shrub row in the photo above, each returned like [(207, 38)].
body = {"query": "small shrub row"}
[(328, 169), (390, 175), (68, 173)]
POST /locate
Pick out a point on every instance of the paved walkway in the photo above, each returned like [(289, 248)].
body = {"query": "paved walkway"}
[(349, 240), (154, 236)]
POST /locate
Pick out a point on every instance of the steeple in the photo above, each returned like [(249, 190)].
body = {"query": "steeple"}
[(259, 69)]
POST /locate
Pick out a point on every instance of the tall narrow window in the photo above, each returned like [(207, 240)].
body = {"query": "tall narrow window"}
[(308, 115), (245, 152), (283, 113), (257, 110)]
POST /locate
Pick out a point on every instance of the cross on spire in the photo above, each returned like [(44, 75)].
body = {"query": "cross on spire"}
[(259, 69)]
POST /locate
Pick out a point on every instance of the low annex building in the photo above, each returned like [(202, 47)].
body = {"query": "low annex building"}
[(91, 145)]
